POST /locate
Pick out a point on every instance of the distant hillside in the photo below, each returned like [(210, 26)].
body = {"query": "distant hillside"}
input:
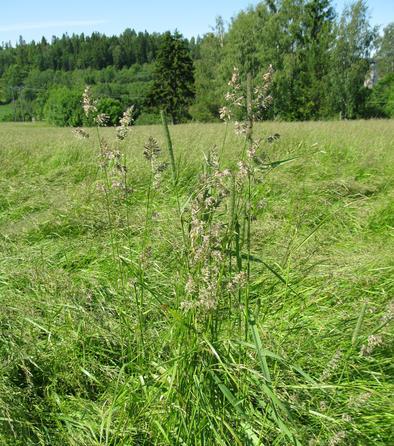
[(321, 61)]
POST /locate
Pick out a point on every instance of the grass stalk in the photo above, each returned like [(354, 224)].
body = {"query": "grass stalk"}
[(169, 145)]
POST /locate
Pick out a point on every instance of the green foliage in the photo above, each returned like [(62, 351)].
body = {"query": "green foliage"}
[(7, 112), (385, 54), (126, 85), (148, 118), (63, 107), (350, 62), (209, 97), (39, 104), (18, 110), (381, 100), (320, 63), (110, 107), (173, 87), (321, 60), (12, 82), (75, 52)]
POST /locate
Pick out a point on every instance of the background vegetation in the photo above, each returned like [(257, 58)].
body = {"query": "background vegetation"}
[(322, 61)]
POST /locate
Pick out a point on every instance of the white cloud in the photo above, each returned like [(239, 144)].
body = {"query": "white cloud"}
[(53, 24)]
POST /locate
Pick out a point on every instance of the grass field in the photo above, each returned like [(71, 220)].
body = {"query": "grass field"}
[(95, 347)]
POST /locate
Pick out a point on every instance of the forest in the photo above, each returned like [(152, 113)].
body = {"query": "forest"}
[(328, 65)]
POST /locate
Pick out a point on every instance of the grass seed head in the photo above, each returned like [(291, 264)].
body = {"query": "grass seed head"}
[(225, 113), (337, 439), (124, 123), (88, 104), (332, 366), (151, 149), (373, 342), (101, 119), (80, 133)]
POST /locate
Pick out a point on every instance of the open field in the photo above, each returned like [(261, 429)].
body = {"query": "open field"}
[(95, 348)]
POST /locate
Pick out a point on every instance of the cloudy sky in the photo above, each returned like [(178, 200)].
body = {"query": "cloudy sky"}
[(33, 19)]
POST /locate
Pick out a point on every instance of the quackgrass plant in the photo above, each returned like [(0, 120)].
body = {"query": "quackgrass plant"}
[(214, 396)]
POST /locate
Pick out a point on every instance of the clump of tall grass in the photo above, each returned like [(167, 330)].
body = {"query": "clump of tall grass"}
[(211, 378), (218, 380)]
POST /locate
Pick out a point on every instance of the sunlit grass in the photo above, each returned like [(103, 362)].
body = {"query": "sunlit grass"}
[(76, 368)]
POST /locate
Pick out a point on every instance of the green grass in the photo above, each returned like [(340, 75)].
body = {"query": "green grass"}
[(94, 348)]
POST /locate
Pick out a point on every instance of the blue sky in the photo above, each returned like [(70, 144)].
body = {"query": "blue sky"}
[(32, 19)]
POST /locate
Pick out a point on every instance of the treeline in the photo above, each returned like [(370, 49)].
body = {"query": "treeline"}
[(326, 66), (39, 90), (80, 52), (323, 62)]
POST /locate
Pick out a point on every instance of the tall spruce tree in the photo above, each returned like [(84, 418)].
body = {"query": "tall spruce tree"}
[(173, 87)]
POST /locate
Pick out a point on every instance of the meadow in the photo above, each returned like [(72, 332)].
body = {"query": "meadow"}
[(100, 341)]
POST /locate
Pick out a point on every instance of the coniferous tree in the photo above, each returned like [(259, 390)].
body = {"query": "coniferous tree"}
[(173, 87)]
